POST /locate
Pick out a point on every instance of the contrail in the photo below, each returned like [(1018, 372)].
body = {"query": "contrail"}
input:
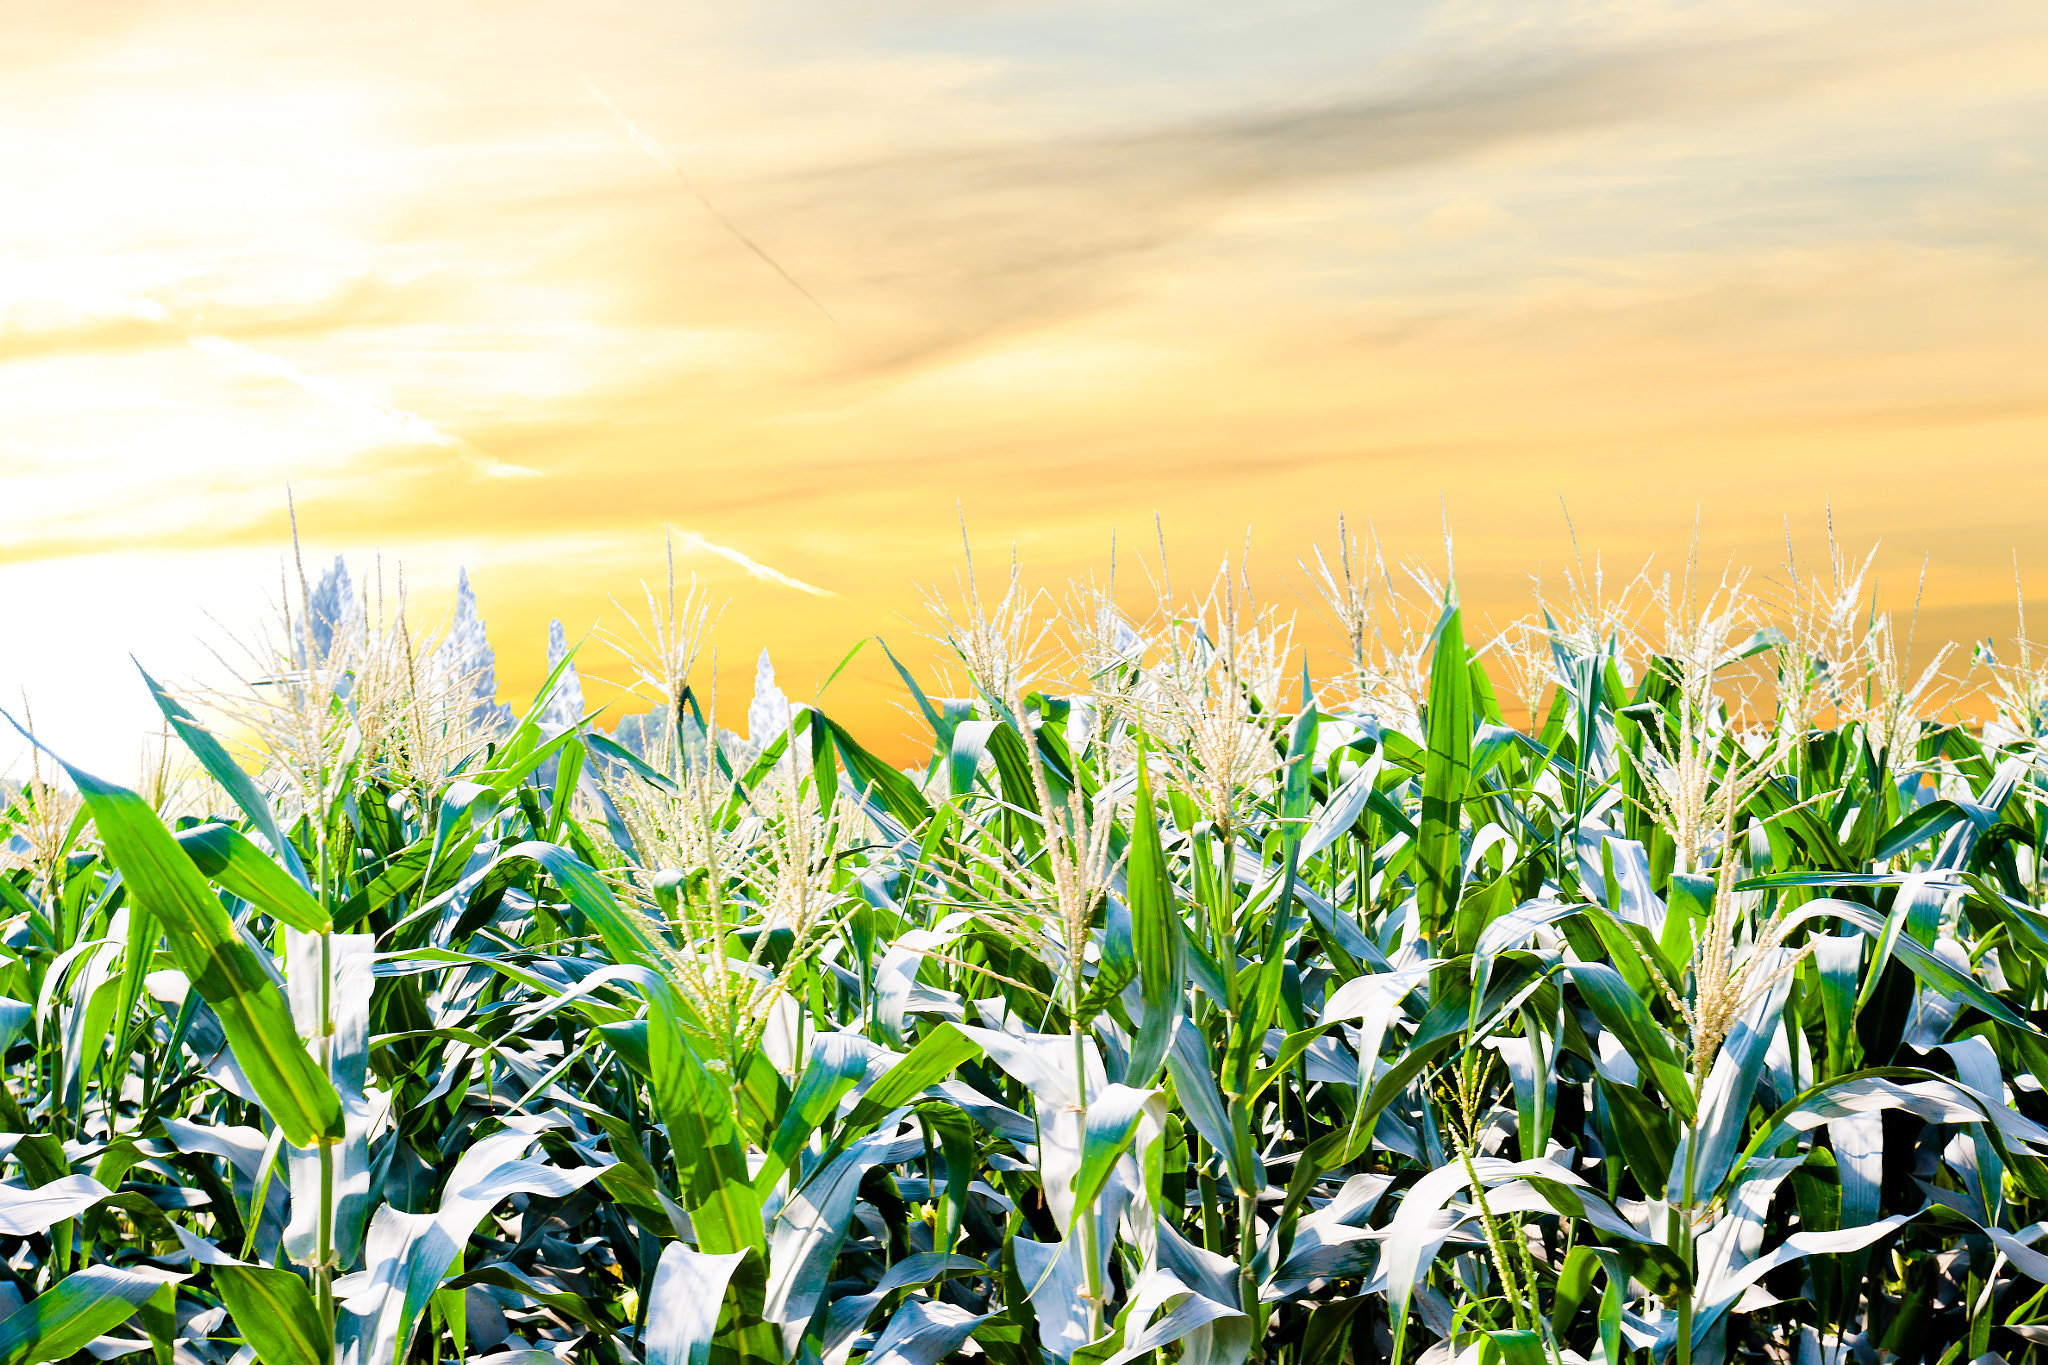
[(409, 425), (752, 566), (661, 157)]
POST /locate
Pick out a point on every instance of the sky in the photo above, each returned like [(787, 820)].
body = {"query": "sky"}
[(524, 288)]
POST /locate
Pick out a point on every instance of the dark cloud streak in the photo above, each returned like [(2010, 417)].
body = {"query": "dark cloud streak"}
[(960, 244)]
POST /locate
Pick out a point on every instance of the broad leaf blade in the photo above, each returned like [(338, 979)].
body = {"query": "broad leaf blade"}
[(1439, 848), (204, 944), (274, 1312)]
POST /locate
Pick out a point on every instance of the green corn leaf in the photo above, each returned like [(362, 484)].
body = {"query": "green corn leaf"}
[(1439, 847), (1439, 1032), (619, 753), (1930, 821), (1512, 1347), (629, 937), (1622, 1012), (1928, 966), (1382, 806), (941, 732), (1194, 1082), (689, 1289), (1269, 975), (711, 1164), (1689, 905), (233, 861), (1633, 953), (158, 1315), (1296, 792), (463, 806), (1643, 1130), (1837, 967), (1013, 768), (1484, 702), (1574, 1282), (1804, 824), (1246, 1038), (520, 745), (398, 876), (1113, 1114), (86, 1304), (1291, 1048), (958, 1149), (224, 770), (1158, 937), (274, 1312), (835, 1065), (202, 941), (879, 782), (501, 1275), (1327, 1338), (937, 1055), (963, 760), (515, 766), (924, 1332)]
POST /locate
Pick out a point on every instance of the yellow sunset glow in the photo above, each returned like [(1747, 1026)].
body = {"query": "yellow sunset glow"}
[(521, 289)]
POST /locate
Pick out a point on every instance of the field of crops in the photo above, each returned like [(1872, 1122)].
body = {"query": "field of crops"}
[(1181, 1006)]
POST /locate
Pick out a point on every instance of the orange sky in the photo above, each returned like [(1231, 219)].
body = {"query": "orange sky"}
[(515, 287)]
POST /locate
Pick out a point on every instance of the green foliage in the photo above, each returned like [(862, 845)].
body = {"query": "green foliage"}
[(1417, 1034)]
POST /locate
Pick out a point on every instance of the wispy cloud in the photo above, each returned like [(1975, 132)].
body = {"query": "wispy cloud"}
[(986, 238), (936, 248), (66, 304), (690, 540), (407, 425)]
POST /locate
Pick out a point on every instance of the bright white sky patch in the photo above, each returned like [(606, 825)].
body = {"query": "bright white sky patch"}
[(409, 426)]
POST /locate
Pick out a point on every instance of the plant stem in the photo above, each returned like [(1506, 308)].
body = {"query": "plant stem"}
[(1084, 1214), (1247, 1277), (1680, 1229), (1205, 1186), (326, 1253), (1222, 933)]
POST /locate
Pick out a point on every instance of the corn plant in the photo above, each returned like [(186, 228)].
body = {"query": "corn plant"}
[(1177, 1006)]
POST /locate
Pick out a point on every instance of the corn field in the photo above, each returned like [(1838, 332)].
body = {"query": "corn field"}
[(1181, 1005)]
